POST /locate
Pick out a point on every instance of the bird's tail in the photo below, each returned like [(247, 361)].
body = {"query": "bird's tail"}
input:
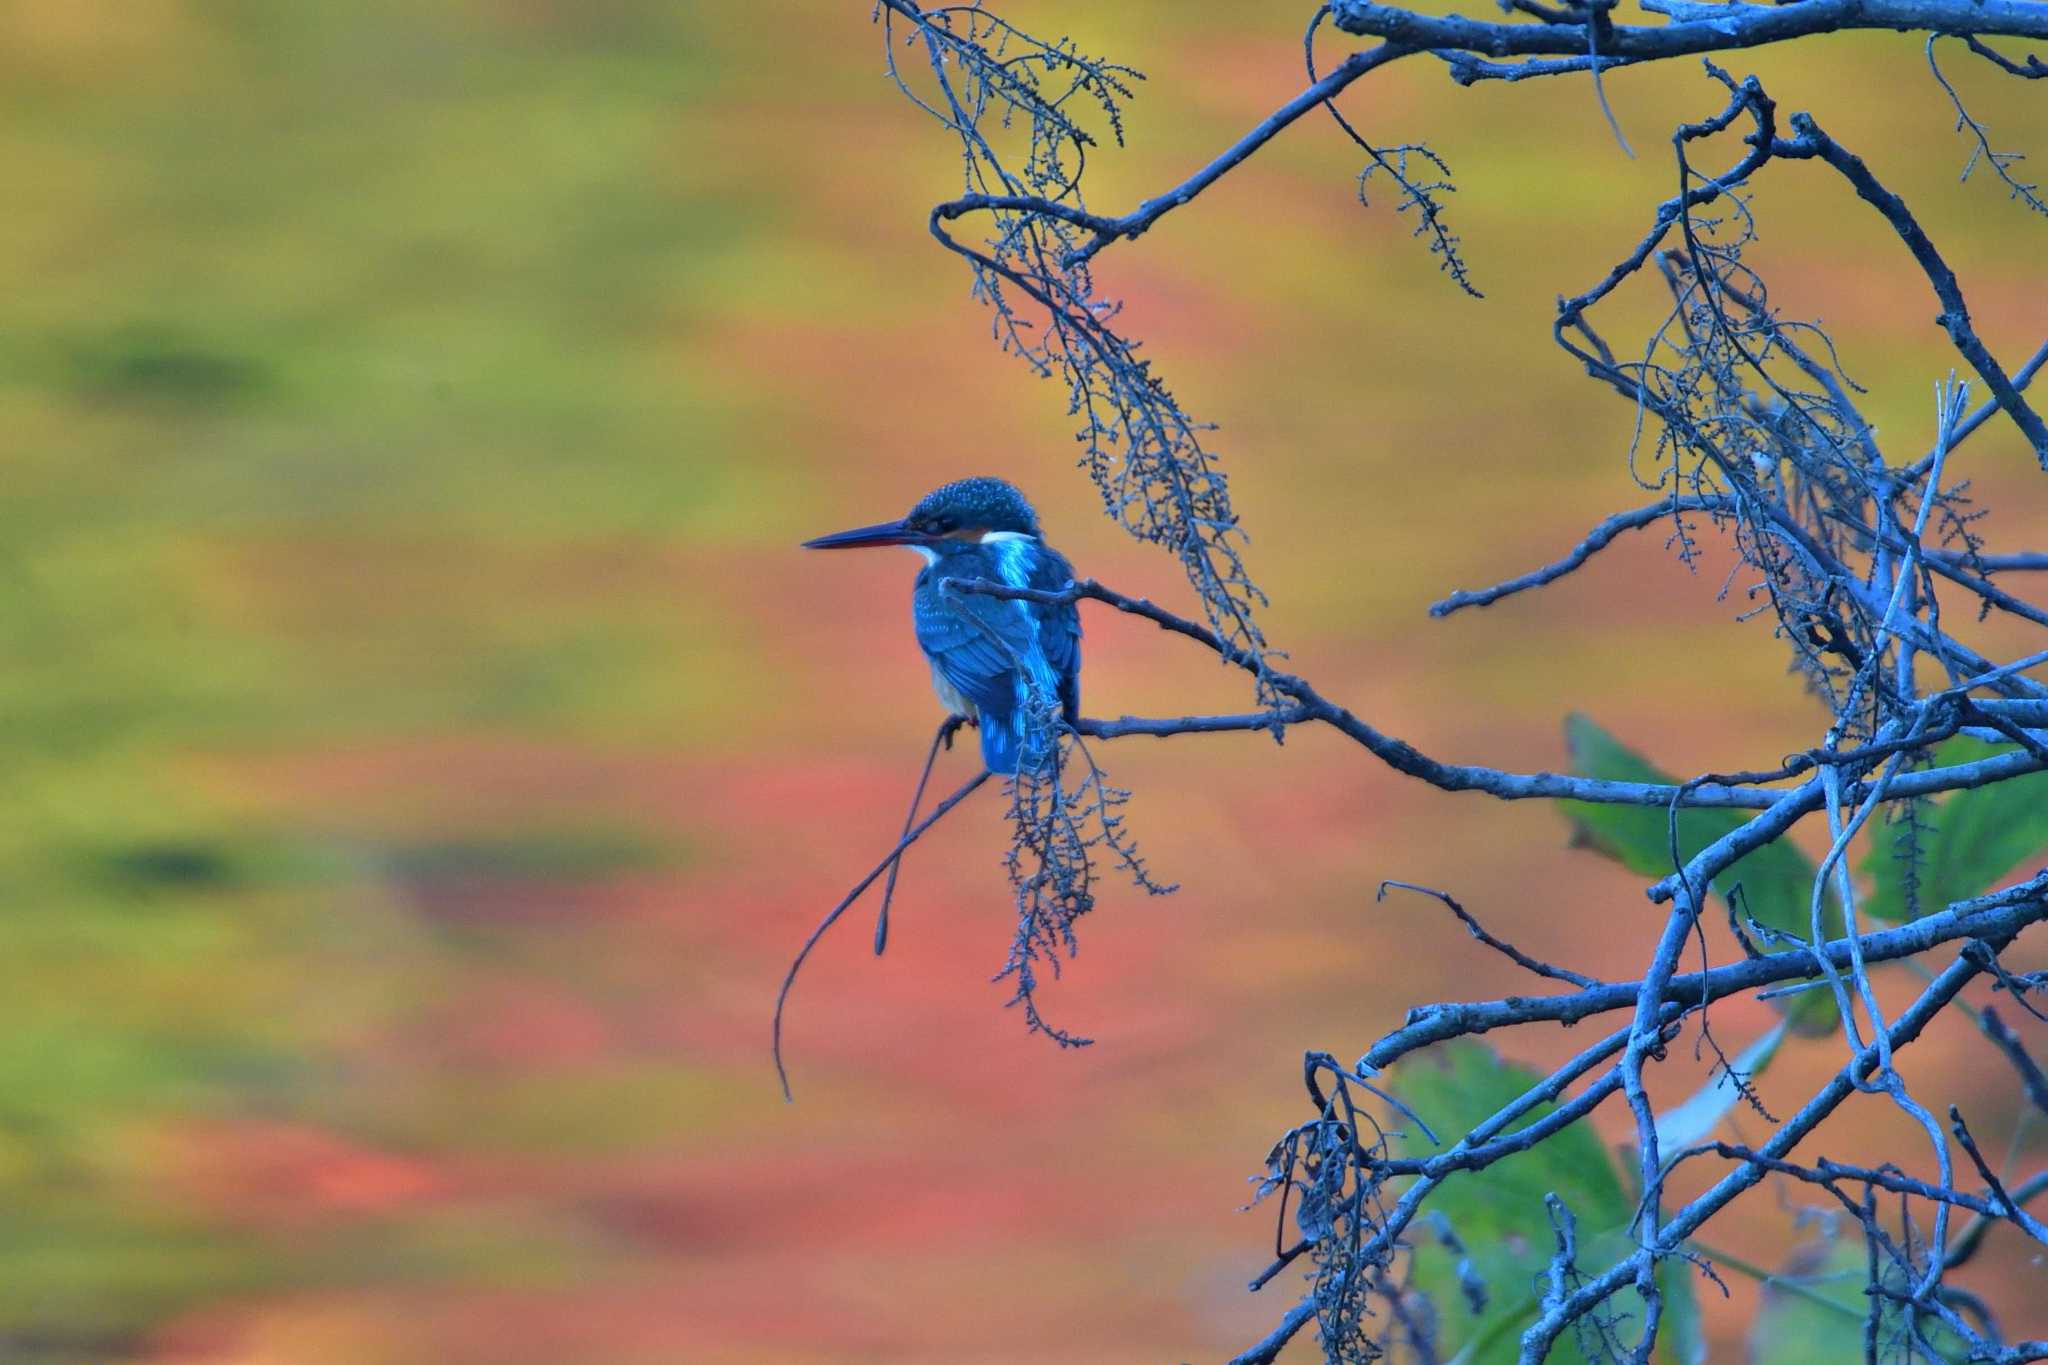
[(1025, 738), (1002, 743), (1018, 742)]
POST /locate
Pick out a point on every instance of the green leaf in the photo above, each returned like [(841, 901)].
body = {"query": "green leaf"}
[(1773, 885), (1815, 1308), (1977, 836), (1495, 1221)]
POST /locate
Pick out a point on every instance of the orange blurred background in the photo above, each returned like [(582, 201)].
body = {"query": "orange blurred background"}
[(427, 745)]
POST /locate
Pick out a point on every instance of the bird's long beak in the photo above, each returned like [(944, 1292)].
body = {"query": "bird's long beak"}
[(885, 533)]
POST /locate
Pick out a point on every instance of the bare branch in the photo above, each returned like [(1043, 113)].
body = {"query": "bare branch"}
[(1955, 315), (2006, 1041), (2001, 1200), (1507, 786), (1501, 946), (1597, 539), (1701, 28), (1139, 220), (1996, 916)]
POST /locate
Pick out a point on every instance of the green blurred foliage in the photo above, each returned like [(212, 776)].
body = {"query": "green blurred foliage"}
[(1772, 885), (1499, 1219), (315, 308), (1815, 1309)]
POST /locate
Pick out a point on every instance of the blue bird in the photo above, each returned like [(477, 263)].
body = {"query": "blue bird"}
[(1011, 667)]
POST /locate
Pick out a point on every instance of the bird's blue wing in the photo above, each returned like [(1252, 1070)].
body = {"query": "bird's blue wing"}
[(974, 642), (992, 652), (1059, 628)]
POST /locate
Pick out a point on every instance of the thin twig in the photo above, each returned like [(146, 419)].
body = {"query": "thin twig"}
[(832, 916), (1501, 946), (943, 736)]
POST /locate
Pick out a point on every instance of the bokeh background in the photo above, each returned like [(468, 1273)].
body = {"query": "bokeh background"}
[(425, 746)]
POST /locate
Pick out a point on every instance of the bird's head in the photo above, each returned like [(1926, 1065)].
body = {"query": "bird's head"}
[(966, 512)]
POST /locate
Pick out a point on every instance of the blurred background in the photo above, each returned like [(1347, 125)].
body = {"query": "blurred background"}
[(425, 745)]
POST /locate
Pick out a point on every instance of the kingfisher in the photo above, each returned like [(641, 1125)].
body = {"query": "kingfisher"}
[(1010, 667)]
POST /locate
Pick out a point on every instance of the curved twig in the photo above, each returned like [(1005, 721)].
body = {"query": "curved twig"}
[(832, 916)]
